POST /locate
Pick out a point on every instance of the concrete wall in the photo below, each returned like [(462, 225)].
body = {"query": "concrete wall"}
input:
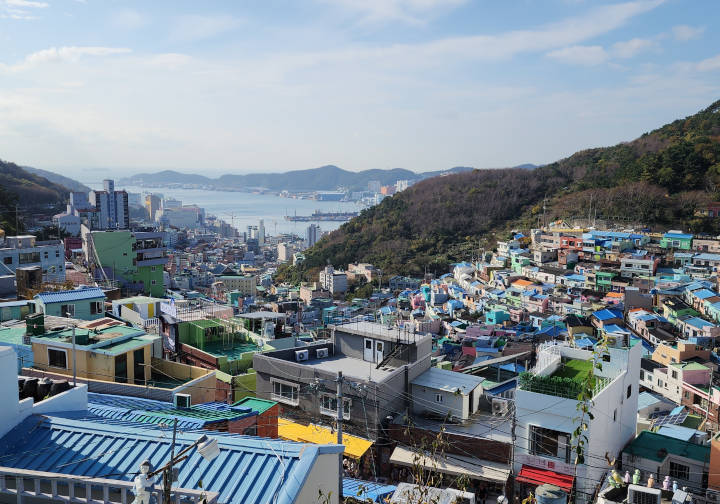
[(323, 479), (661, 469), (9, 396), (424, 399)]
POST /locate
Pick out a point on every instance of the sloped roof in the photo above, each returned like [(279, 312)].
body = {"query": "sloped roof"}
[(70, 295), (449, 381), (654, 446), (248, 469)]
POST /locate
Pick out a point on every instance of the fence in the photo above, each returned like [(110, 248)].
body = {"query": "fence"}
[(56, 487)]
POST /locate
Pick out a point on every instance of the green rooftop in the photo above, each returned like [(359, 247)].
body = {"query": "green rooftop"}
[(690, 366), (255, 404), (205, 323), (575, 369), (121, 347), (654, 446), (12, 335)]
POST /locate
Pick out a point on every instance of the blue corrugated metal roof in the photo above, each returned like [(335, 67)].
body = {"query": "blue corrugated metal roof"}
[(71, 295), (248, 469), (364, 490)]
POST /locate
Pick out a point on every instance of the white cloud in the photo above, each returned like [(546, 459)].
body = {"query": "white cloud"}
[(632, 47), (194, 27), (709, 64), (408, 11), (129, 19), (62, 54), (27, 4), (580, 55), (686, 32), (20, 9)]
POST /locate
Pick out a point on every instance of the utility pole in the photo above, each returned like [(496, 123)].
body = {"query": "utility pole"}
[(339, 398), (512, 454), (168, 472)]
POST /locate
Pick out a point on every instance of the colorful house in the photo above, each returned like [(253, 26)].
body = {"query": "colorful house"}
[(676, 240), (85, 304)]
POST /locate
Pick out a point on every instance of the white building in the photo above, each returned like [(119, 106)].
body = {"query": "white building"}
[(547, 413), (25, 251), (68, 222), (443, 392), (261, 233), (335, 282), (184, 217)]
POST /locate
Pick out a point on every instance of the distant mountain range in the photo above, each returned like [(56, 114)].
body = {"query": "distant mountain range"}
[(665, 179), (327, 177), (72, 185)]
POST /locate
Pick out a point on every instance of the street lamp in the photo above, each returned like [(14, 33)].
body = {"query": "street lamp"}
[(207, 448)]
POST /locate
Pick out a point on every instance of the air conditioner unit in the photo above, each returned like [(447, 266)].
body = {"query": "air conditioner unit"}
[(321, 353), (500, 406), (182, 400), (301, 355), (642, 495)]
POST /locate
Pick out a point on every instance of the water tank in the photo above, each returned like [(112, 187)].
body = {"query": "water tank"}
[(43, 389), (29, 388), (550, 494)]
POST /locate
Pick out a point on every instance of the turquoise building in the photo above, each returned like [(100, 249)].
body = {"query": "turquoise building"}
[(85, 304)]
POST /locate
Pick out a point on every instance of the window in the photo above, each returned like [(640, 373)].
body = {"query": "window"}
[(679, 471), (67, 310), (660, 383), (615, 415), (57, 358), (642, 375), (29, 257), (674, 375), (606, 357), (152, 268), (121, 374), (285, 392), (687, 395), (439, 398), (7, 260), (153, 282), (328, 406), (629, 391), (96, 307), (549, 443)]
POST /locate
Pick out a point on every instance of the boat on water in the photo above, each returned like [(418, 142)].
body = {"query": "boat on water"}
[(322, 216)]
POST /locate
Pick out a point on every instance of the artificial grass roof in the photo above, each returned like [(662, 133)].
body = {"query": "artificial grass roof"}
[(654, 446), (575, 369)]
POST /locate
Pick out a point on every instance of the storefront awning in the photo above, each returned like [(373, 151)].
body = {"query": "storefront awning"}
[(453, 464), (355, 446), (536, 476)]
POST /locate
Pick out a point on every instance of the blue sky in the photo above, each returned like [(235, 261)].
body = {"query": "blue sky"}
[(262, 85)]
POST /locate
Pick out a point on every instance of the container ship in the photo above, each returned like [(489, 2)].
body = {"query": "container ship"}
[(322, 216)]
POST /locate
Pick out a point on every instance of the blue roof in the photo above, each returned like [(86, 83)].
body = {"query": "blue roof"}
[(502, 387), (678, 432), (248, 469), (364, 490), (678, 235), (698, 322), (9, 304), (553, 331), (607, 315), (585, 342), (646, 399), (704, 294), (614, 328), (70, 295)]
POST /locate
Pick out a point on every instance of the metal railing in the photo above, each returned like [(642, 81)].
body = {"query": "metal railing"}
[(58, 487)]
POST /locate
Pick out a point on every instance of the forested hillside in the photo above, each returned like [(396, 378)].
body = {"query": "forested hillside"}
[(659, 179)]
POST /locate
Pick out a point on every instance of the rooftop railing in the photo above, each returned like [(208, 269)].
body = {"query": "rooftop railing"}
[(56, 487)]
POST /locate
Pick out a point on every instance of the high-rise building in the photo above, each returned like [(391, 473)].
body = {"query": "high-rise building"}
[(311, 234), (374, 186), (152, 204), (111, 207), (261, 233)]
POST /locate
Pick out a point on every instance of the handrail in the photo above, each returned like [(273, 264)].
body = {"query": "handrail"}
[(46, 485)]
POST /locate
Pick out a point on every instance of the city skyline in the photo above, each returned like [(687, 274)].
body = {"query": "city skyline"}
[(422, 85)]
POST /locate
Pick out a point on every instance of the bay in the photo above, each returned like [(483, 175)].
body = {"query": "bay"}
[(242, 209)]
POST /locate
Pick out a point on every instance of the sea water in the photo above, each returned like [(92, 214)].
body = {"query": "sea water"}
[(242, 209)]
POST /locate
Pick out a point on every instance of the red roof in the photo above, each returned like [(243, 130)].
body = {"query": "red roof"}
[(537, 476)]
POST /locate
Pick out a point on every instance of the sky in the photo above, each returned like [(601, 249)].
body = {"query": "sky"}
[(113, 87)]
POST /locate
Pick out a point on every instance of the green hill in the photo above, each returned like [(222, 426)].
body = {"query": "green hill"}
[(28, 191), (658, 180)]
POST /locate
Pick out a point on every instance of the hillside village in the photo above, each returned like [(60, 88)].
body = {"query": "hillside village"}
[(488, 376)]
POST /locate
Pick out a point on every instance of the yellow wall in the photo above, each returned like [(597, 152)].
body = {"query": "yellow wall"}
[(90, 364)]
